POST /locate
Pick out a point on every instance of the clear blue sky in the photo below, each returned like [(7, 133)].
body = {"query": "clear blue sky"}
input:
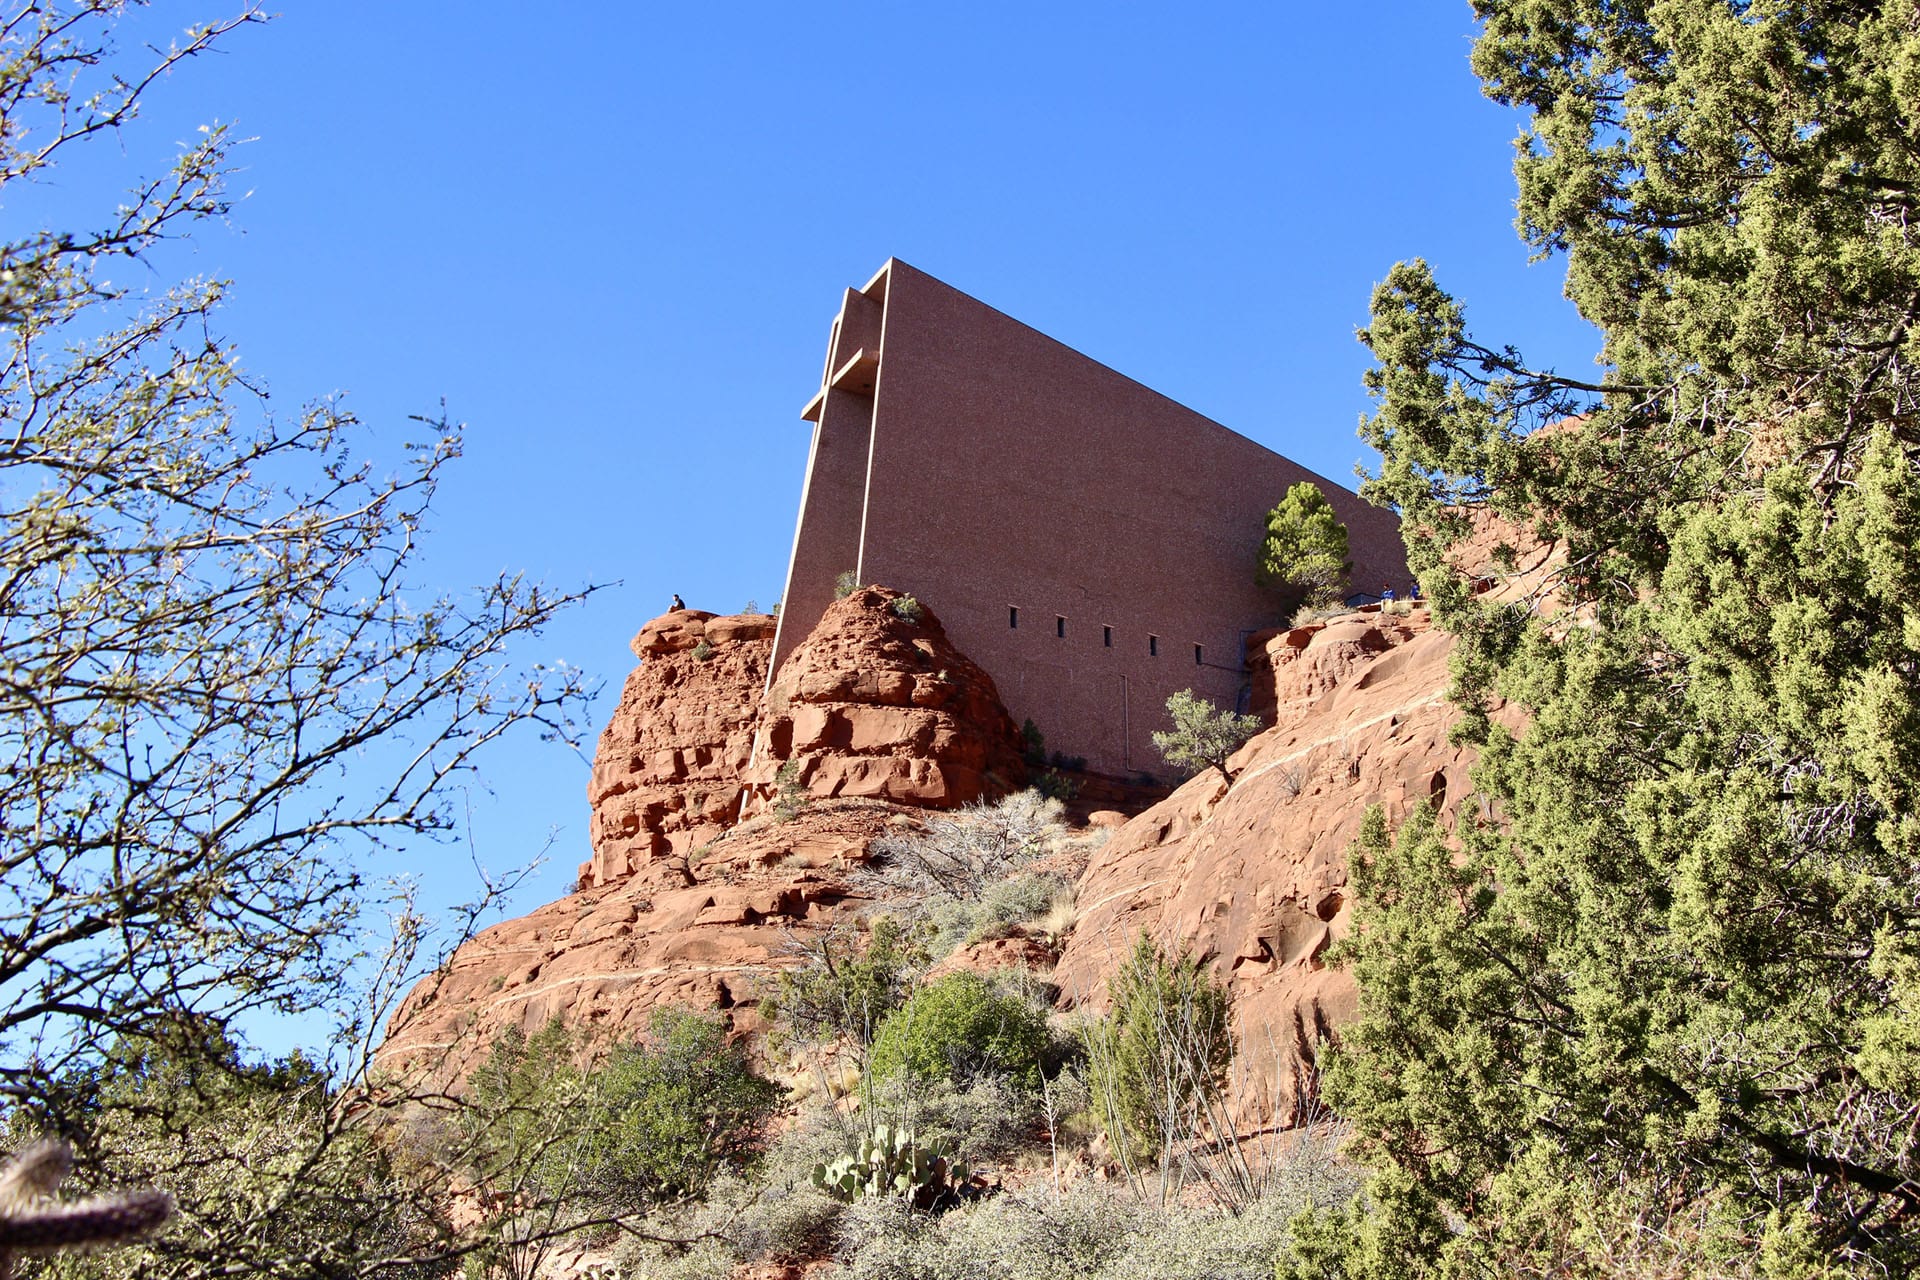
[(612, 237)]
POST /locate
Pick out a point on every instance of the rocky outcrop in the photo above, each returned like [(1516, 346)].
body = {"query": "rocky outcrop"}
[(877, 703), (602, 959), (688, 900), (667, 774), (705, 874), (1253, 878)]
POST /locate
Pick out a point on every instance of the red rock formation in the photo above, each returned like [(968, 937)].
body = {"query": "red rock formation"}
[(1254, 878), (666, 777), (877, 703), (602, 959), (684, 902)]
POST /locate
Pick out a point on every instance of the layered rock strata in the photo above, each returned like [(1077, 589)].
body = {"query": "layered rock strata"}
[(877, 703), (666, 777), (603, 958)]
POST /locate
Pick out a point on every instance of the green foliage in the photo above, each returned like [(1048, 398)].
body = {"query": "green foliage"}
[(258, 1157), (703, 651), (683, 1104), (891, 1161), (841, 995), (1033, 744), (846, 583), (1203, 735), (958, 1028), (1160, 1053), (907, 609), (790, 797), (652, 1120), (1682, 954), (1304, 554)]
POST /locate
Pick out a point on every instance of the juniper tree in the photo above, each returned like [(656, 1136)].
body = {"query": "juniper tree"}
[(1679, 953), (1203, 736)]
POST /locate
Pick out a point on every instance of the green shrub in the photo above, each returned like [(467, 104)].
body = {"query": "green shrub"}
[(841, 994), (908, 609), (703, 652), (1161, 1053), (681, 1104), (789, 793), (1003, 905), (846, 584), (1203, 735), (989, 1118), (960, 1028)]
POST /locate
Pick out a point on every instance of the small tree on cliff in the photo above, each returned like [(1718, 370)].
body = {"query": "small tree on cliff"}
[(1304, 554), (1203, 735)]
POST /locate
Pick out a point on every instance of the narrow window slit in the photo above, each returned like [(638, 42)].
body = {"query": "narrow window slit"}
[(1060, 627)]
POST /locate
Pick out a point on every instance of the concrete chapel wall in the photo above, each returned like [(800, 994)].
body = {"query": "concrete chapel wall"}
[(1007, 472)]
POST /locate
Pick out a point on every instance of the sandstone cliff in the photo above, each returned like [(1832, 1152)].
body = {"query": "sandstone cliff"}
[(710, 860), (666, 776), (876, 702), (687, 900), (1253, 878)]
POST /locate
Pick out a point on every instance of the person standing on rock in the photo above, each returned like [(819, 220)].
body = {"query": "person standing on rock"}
[(678, 605)]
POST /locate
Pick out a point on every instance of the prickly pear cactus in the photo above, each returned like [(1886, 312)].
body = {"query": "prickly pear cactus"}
[(890, 1161)]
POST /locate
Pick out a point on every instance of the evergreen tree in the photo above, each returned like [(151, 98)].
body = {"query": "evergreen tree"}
[(1304, 554), (1678, 962)]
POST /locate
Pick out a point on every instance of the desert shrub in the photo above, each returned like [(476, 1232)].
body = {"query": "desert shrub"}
[(1003, 905), (776, 1215), (958, 855), (1055, 785), (682, 1103), (789, 793), (989, 1118), (1088, 1232), (1203, 735), (1033, 744), (1159, 1057), (958, 1029), (703, 652), (846, 584), (654, 1119), (907, 609), (841, 994), (1307, 614), (1009, 1237)]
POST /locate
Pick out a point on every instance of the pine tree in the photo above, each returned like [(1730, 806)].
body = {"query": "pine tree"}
[(1304, 555)]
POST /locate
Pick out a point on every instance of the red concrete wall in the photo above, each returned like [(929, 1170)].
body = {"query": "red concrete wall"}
[(1007, 470)]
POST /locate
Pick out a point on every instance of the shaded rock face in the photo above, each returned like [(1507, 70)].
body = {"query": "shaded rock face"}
[(1253, 879), (877, 703), (667, 774), (602, 959)]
